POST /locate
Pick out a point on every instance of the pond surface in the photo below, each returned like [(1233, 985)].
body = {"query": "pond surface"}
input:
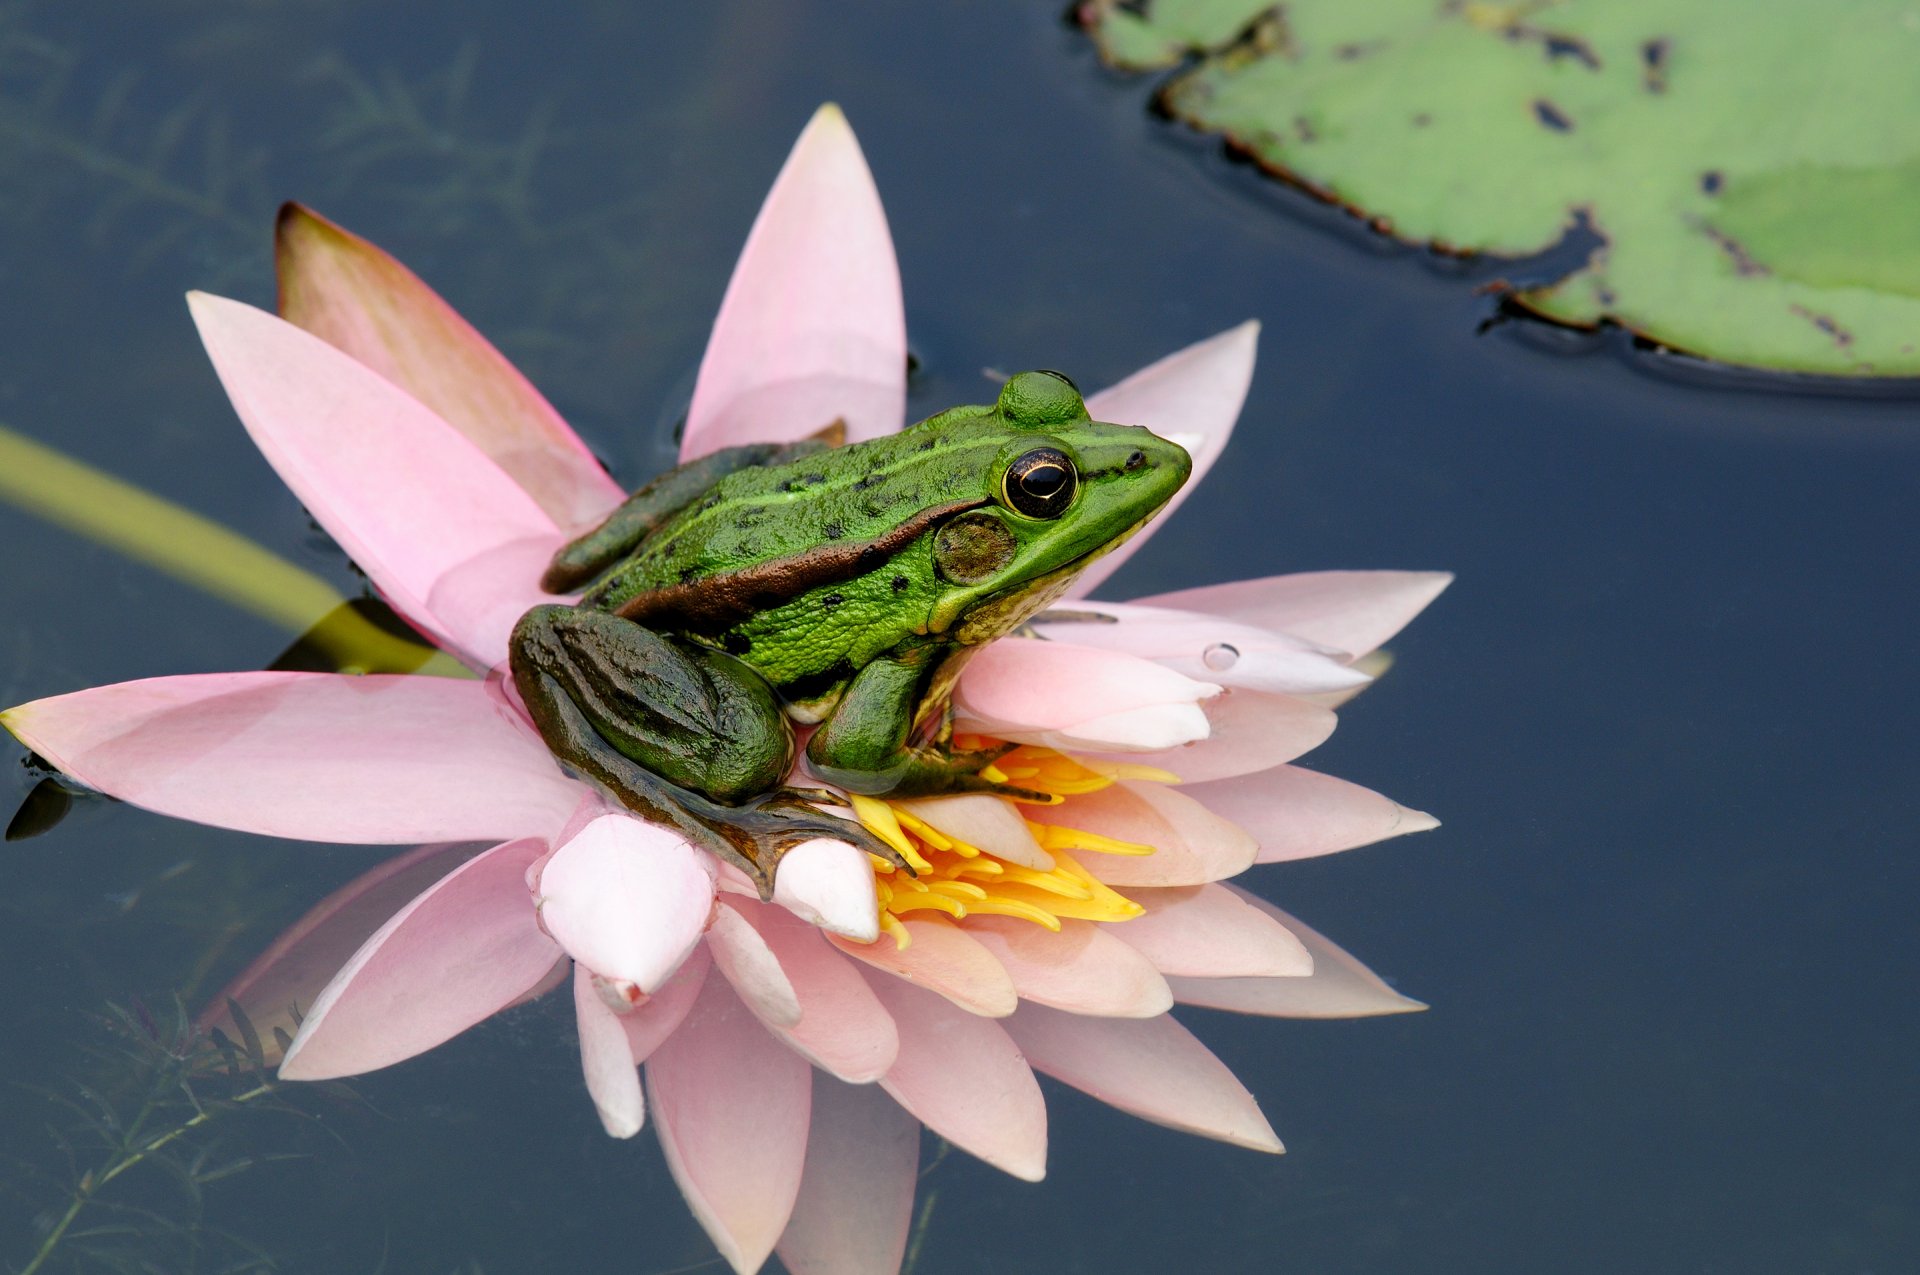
[(1666, 712)]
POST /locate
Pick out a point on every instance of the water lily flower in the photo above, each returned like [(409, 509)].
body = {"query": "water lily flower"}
[(789, 1048)]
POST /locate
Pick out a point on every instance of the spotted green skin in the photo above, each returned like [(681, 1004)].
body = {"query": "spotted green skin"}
[(840, 586)]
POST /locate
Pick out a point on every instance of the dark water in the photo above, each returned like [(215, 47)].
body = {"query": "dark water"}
[(1666, 713)]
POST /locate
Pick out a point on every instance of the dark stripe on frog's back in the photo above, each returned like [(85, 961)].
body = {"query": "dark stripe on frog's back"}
[(708, 568)]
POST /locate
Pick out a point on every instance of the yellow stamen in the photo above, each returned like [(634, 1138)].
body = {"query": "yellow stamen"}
[(1053, 837)]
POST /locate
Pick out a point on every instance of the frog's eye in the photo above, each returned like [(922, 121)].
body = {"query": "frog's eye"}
[(1040, 484)]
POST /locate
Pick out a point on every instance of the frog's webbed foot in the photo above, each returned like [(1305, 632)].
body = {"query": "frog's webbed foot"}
[(935, 769), (757, 835)]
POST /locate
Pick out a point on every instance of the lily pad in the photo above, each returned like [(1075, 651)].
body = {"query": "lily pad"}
[(1752, 169)]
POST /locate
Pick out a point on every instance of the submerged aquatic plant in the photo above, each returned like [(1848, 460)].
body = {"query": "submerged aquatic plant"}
[(792, 1045)]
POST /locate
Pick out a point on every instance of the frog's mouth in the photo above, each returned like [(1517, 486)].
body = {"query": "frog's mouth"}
[(999, 614)]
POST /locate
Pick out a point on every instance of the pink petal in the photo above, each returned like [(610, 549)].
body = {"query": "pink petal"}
[(1192, 845), (1351, 611), (983, 821), (316, 756), (1208, 931), (613, 1081), (463, 950), (1149, 1067), (829, 883), (1248, 731), (1296, 814), (1082, 969), (627, 899), (962, 1077), (1192, 396), (1078, 697), (731, 1105), (304, 958), (841, 1026), (660, 1015), (1209, 648), (358, 299), (1339, 987), (856, 1199), (750, 965), (812, 328), (406, 495), (944, 960)]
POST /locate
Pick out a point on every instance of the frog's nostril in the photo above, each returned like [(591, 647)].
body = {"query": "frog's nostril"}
[(1136, 459)]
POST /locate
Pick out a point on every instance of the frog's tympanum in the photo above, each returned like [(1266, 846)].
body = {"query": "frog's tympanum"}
[(768, 585)]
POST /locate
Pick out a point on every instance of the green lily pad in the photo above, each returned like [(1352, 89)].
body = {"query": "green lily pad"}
[(1751, 166)]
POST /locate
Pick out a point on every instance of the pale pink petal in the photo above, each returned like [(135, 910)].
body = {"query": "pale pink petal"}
[(658, 1016), (470, 599), (812, 328), (1082, 969), (463, 950), (282, 982), (829, 883), (1339, 987), (1248, 731), (1209, 931), (983, 821), (753, 969), (627, 899), (856, 1198), (1192, 845), (358, 299), (402, 491), (731, 1105), (613, 1082), (1207, 647), (842, 1027), (1351, 611), (964, 1079), (1078, 697), (1193, 397), (315, 756), (1296, 814), (1149, 1067), (944, 960)]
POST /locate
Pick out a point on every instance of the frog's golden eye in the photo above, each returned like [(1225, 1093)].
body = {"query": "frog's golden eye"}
[(1040, 484)]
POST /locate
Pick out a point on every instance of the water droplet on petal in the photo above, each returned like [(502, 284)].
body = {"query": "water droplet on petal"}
[(1220, 657)]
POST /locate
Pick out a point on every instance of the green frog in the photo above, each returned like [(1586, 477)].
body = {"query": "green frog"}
[(839, 587)]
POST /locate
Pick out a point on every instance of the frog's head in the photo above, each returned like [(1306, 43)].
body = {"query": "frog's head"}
[(1065, 489)]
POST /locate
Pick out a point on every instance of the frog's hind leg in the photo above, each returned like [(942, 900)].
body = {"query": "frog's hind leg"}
[(681, 735)]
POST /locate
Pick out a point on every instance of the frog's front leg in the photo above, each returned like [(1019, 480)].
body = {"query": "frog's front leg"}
[(680, 734), (869, 744)]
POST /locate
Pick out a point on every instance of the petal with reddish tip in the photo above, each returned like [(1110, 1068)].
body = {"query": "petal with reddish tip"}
[(731, 1105), (753, 969), (829, 883), (282, 982), (1339, 987), (403, 492), (1193, 395), (1078, 697), (613, 1082), (1297, 814), (1248, 731), (812, 328), (1209, 931), (314, 756), (1192, 845), (944, 960), (1082, 969), (1149, 1067), (1351, 611), (842, 1027), (360, 300), (660, 1015), (962, 1077), (856, 1198), (464, 949), (983, 821), (1208, 647), (627, 899)]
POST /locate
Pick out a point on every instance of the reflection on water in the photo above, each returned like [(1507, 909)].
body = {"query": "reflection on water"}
[(1664, 931)]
